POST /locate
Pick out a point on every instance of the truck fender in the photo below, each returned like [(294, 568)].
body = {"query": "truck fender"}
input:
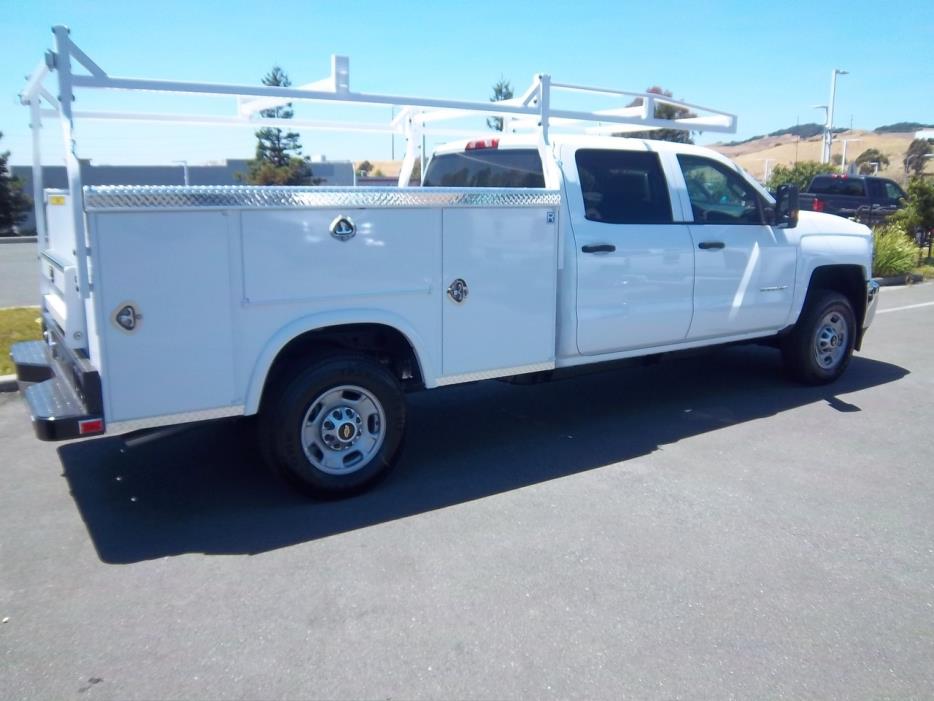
[(817, 251), (315, 322)]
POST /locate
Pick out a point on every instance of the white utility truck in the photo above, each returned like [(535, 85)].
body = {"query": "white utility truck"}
[(550, 245)]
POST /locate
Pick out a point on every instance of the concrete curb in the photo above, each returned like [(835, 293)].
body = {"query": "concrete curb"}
[(8, 383), (17, 239), (907, 279)]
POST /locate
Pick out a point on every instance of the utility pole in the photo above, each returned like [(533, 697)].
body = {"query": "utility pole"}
[(828, 128)]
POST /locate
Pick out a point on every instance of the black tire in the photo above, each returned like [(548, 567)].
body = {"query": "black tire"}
[(824, 311), (283, 429)]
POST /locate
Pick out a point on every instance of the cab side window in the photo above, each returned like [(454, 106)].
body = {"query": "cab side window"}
[(893, 191), (719, 195), (623, 187)]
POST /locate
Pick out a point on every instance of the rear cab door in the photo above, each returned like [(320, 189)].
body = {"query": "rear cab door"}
[(635, 263), (885, 193)]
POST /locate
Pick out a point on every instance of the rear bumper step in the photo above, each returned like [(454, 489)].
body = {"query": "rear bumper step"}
[(31, 361), (61, 388)]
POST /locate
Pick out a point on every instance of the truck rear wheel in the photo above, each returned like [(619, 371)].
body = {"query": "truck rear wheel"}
[(335, 428), (819, 348)]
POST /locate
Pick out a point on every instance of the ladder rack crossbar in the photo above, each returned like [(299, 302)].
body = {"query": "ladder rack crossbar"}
[(533, 109)]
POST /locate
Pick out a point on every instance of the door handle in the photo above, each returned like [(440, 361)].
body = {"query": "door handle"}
[(711, 245), (598, 248)]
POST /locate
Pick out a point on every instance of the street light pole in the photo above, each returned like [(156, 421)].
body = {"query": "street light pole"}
[(828, 129), (843, 159), (184, 165), (823, 137), (765, 168)]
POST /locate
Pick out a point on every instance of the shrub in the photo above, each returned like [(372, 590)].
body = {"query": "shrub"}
[(799, 174), (895, 252)]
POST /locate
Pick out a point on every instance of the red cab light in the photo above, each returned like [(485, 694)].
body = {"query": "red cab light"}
[(89, 426), (478, 144)]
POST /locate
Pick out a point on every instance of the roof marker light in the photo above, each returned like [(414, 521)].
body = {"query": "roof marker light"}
[(478, 144)]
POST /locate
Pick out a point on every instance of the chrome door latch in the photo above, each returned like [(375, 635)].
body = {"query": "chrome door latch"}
[(127, 317), (458, 291)]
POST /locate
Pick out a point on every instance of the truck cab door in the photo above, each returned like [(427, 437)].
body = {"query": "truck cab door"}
[(885, 194), (635, 266), (744, 268)]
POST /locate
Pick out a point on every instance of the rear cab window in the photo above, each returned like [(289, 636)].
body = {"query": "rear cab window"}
[(829, 185), (513, 167), (623, 187)]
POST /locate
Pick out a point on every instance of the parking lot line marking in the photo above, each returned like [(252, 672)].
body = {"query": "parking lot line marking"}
[(899, 309)]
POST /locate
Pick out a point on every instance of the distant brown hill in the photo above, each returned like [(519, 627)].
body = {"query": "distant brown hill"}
[(786, 149)]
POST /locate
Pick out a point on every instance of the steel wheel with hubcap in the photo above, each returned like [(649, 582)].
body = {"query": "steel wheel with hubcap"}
[(333, 428), (818, 349), (343, 429), (830, 341)]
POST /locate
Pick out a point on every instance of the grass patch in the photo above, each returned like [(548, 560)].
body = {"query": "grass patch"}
[(16, 324), (925, 264)]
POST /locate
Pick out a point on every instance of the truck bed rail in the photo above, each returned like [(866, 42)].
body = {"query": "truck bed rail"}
[(233, 197)]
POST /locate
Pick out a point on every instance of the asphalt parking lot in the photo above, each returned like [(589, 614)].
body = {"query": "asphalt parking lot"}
[(697, 529), (19, 284)]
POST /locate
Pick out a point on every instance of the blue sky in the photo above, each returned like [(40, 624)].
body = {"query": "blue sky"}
[(766, 62)]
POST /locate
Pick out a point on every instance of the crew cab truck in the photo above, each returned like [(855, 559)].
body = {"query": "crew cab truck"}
[(317, 309), (850, 195)]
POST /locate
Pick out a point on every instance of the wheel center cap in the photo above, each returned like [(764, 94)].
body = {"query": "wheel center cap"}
[(346, 431), (340, 428)]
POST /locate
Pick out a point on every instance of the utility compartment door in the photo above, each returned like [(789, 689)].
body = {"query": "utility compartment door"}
[(499, 272), (169, 273)]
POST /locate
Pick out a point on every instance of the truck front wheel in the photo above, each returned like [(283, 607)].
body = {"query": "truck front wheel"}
[(818, 350), (335, 428)]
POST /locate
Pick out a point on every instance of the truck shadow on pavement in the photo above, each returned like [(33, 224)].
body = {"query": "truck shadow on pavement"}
[(206, 491)]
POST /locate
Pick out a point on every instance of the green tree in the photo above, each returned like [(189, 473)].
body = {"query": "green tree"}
[(13, 203), (502, 90), (915, 157), (799, 174), (278, 158), (662, 111), (918, 213), (364, 168), (865, 160)]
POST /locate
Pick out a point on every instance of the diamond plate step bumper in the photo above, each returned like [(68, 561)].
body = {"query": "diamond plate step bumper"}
[(31, 361), (60, 386)]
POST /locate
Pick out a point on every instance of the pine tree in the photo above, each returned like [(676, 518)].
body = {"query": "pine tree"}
[(278, 158), (13, 203), (502, 90)]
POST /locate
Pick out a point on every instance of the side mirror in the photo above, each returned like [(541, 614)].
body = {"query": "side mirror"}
[(786, 207)]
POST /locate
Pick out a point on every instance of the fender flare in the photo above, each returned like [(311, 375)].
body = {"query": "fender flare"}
[(323, 320)]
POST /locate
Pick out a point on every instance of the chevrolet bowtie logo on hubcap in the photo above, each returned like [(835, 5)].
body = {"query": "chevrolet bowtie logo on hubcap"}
[(346, 432)]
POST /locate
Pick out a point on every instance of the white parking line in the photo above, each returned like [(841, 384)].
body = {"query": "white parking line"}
[(899, 309)]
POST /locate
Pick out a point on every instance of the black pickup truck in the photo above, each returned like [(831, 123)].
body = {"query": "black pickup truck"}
[(852, 195)]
